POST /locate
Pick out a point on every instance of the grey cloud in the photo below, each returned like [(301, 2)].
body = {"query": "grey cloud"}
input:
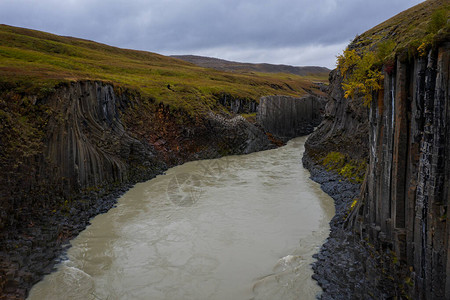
[(190, 26)]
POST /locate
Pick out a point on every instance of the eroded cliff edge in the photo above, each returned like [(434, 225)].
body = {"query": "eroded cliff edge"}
[(390, 238)]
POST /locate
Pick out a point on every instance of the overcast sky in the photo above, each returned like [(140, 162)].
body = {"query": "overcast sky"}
[(294, 32)]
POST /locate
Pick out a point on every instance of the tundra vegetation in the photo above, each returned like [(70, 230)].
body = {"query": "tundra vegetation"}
[(33, 63), (361, 64)]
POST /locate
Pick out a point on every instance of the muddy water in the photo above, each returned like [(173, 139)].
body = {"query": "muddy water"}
[(240, 227)]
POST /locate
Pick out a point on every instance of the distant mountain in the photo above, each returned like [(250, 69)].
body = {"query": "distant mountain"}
[(225, 65)]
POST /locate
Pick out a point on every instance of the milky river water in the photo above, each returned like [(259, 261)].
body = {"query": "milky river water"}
[(239, 227)]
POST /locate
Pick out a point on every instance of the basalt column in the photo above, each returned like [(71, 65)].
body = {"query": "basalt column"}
[(404, 206), (288, 117)]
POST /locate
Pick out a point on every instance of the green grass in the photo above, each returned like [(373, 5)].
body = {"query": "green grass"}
[(409, 34), (33, 62), (408, 30)]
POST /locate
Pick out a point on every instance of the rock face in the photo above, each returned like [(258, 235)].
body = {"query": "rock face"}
[(400, 219), (404, 203), (344, 127), (288, 117), (87, 143), (237, 105)]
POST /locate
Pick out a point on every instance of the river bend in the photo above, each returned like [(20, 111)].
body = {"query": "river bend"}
[(239, 227)]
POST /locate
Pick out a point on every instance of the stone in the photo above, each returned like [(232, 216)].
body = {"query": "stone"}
[(287, 117)]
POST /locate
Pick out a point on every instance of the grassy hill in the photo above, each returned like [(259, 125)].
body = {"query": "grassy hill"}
[(409, 34), (232, 66), (407, 31), (33, 62)]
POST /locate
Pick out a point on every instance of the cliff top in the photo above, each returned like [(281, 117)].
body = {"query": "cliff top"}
[(409, 30), (34, 62), (409, 34)]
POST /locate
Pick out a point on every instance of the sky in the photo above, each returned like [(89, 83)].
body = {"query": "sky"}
[(292, 32)]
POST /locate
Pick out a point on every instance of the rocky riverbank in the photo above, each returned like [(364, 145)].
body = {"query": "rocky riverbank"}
[(31, 251), (345, 267)]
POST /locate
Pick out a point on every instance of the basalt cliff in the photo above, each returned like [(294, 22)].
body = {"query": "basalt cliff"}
[(390, 236)]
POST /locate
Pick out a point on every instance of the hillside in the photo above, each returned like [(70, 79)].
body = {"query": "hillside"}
[(34, 62), (408, 30), (225, 65)]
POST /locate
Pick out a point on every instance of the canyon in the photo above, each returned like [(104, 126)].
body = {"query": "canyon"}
[(95, 148), (82, 122), (236, 227), (72, 145)]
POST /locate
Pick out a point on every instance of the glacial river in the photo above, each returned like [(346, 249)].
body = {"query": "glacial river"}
[(239, 227)]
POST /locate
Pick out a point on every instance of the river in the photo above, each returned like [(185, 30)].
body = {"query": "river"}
[(239, 227)]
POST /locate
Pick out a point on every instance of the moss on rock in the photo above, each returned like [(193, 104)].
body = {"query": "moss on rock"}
[(351, 169)]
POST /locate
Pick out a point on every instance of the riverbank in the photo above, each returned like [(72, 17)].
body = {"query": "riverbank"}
[(38, 246), (31, 251), (346, 267)]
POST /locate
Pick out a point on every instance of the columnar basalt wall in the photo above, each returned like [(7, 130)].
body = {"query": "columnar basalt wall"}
[(344, 127), (404, 203), (84, 145), (237, 105), (87, 144), (98, 137), (288, 117), (400, 222), (94, 142)]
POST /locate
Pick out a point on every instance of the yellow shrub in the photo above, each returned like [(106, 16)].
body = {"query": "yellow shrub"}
[(361, 74)]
